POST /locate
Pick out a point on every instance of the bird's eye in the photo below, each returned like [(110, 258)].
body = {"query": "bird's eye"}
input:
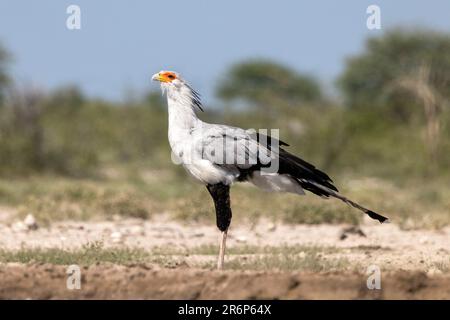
[(171, 76)]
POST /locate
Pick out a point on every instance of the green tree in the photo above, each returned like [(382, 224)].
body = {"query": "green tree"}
[(376, 76), (262, 82), (4, 78), (407, 74)]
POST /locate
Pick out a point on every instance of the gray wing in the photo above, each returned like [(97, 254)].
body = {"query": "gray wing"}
[(233, 147)]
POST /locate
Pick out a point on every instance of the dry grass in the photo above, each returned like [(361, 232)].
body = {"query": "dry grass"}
[(287, 262), (49, 199), (90, 254), (283, 258)]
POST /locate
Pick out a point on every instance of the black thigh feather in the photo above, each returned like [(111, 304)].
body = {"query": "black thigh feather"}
[(221, 196)]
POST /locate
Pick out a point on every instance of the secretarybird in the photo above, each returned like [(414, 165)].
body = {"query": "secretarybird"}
[(218, 155)]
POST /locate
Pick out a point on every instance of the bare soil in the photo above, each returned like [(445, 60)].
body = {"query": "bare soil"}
[(144, 282), (385, 245), (414, 264)]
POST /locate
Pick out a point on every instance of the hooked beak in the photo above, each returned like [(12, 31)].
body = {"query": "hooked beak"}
[(156, 77)]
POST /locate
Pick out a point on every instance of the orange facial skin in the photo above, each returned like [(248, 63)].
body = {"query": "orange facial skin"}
[(167, 76)]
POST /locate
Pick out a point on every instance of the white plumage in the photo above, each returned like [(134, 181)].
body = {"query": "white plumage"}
[(193, 141), (218, 155)]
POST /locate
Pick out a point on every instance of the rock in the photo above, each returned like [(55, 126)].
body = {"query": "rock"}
[(136, 230), (423, 240), (354, 230), (241, 239), (30, 222), (271, 227), (198, 235), (116, 237), (433, 272), (19, 227)]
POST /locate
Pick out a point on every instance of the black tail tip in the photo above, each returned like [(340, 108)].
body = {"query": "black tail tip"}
[(377, 216)]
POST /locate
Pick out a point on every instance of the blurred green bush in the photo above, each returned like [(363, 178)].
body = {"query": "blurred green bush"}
[(66, 133)]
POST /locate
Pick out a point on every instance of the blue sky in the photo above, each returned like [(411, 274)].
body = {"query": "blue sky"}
[(122, 43)]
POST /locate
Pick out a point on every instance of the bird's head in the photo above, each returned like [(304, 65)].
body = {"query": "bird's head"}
[(168, 78), (172, 83)]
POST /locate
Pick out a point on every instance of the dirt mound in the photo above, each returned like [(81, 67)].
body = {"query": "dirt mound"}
[(44, 281)]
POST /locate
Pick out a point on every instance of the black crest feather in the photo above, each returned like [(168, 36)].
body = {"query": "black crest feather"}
[(196, 100)]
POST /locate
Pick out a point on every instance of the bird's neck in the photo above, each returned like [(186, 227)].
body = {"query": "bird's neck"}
[(182, 117)]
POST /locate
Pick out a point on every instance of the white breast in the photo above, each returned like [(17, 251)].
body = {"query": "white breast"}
[(185, 137)]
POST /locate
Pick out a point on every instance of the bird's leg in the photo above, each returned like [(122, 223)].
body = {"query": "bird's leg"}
[(223, 240), (221, 196)]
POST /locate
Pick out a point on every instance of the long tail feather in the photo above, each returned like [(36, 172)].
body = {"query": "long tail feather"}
[(334, 194)]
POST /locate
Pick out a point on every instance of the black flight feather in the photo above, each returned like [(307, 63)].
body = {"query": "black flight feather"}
[(307, 175)]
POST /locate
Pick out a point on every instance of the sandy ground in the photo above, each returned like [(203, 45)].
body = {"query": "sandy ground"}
[(384, 245), (415, 264)]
